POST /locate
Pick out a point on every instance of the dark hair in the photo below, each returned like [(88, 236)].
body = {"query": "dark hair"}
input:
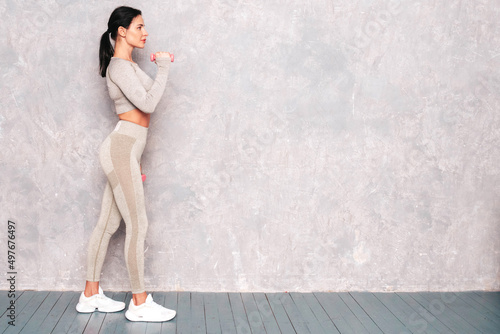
[(121, 17)]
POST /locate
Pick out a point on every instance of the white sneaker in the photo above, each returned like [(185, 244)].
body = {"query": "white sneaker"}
[(149, 311), (100, 302)]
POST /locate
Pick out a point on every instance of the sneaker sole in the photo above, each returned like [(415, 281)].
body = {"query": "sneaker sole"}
[(81, 309), (132, 317)]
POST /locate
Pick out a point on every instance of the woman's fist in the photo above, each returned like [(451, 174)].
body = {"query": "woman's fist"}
[(162, 54)]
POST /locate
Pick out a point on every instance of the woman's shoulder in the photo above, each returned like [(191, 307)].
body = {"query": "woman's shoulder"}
[(120, 62), (120, 65)]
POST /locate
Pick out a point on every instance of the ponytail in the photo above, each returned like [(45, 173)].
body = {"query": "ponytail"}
[(106, 51), (121, 17)]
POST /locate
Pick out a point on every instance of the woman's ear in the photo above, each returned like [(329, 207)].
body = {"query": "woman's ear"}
[(122, 31)]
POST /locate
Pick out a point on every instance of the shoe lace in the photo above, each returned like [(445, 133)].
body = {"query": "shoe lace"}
[(102, 296), (154, 304)]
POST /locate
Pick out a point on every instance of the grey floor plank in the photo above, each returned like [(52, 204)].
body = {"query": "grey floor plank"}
[(443, 310), (170, 301), (225, 314), (382, 316), (98, 321), (69, 316), (33, 325), (473, 316), (267, 315), (69, 313), (114, 320), (365, 320), (77, 326), (320, 313), (27, 312), (310, 319), (20, 303), (56, 312), (212, 319), (298, 322), (253, 314), (132, 327), (198, 323), (341, 315), (5, 300), (423, 320), (239, 314), (405, 313), (436, 316), (276, 303), (479, 307), (492, 303), (184, 312), (485, 303), (493, 294), (80, 320), (270, 313)]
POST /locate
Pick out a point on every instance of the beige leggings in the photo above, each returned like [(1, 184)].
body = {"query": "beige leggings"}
[(120, 157)]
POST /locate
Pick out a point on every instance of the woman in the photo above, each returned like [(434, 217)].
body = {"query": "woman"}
[(135, 96)]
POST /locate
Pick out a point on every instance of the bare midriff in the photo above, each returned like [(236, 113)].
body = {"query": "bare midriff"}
[(136, 116)]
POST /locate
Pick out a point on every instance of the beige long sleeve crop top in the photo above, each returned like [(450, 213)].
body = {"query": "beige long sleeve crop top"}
[(129, 87)]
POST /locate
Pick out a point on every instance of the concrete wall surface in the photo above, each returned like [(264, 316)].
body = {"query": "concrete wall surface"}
[(302, 145)]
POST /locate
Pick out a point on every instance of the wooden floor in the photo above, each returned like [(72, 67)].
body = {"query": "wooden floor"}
[(241, 313)]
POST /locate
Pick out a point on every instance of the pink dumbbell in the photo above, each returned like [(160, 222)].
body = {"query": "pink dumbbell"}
[(153, 57)]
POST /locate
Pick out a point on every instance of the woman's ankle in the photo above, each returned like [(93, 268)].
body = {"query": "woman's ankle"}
[(91, 288), (139, 298)]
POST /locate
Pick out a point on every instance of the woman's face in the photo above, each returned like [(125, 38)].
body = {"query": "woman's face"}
[(136, 33)]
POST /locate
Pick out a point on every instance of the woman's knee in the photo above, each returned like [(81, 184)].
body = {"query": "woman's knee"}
[(112, 227), (142, 229)]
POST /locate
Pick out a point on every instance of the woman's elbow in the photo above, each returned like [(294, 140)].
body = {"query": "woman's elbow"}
[(147, 109)]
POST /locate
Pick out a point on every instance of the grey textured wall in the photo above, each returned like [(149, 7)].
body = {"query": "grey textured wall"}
[(300, 145)]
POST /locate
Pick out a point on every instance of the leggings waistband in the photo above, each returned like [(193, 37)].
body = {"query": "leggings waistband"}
[(131, 129)]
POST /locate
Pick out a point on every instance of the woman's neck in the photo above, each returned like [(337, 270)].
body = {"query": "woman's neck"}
[(123, 50)]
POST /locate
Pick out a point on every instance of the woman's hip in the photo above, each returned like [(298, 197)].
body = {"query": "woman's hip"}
[(125, 144)]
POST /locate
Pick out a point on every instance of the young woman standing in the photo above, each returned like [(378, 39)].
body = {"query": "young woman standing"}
[(135, 96)]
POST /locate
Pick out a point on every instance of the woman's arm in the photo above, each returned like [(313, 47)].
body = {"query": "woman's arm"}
[(123, 75)]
